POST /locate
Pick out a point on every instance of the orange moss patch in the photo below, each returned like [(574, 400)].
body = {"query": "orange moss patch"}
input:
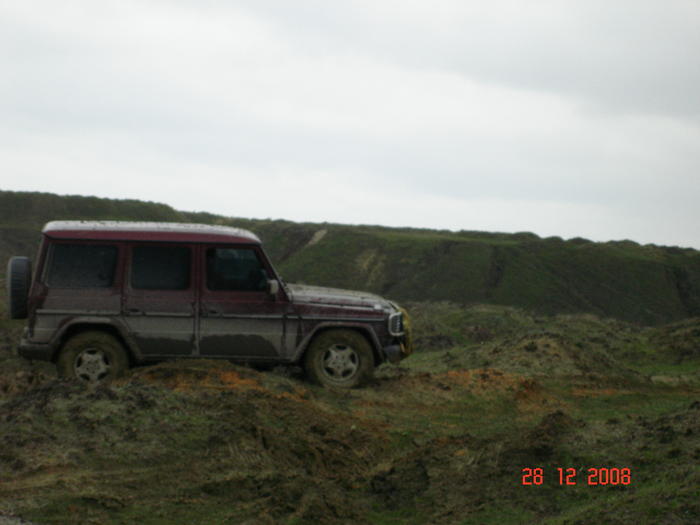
[(183, 379), (528, 390), (193, 379), (233, 380), (483, 381), (528, 394)]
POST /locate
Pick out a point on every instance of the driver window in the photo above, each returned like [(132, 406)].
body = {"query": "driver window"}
[(235, 269)]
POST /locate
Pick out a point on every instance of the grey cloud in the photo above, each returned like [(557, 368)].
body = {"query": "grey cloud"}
[(615, 56), (610, 61)]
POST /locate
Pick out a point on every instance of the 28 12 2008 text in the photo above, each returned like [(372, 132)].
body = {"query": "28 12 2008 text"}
[(569, 476)]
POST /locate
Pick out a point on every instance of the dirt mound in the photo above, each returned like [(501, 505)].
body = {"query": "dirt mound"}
[(459, 480), (22, 378), (678, 342), (480, 381), (11, 520), (553, 354), (229, 442), (552, 429), (18, 375), (464, 479), (542, 354)]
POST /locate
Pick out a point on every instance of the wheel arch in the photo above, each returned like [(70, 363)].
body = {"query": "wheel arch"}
[(80, 326)]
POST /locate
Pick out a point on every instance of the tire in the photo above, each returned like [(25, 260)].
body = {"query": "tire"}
[(19, 279), (92, 357), (339, 358)]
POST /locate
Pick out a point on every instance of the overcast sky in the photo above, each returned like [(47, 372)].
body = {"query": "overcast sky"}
[(562, 117)]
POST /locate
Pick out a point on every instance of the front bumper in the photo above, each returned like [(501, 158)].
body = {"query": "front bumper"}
[(394, 353)]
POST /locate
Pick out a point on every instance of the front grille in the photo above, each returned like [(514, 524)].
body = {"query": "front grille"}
[(396, 324)]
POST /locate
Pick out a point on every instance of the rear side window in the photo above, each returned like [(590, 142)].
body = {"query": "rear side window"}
[(82, 266), (160, 268), (235, 269)]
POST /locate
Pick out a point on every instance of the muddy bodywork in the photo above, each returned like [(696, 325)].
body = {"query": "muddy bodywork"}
[(324, 297), (274, 325)]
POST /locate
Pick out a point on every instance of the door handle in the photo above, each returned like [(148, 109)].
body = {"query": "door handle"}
[(134, 311), (213, 312)]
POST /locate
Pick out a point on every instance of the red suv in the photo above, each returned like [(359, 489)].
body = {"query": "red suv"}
[(109, 294)]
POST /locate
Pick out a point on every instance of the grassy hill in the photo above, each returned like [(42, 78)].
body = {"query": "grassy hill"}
[(643, 284)]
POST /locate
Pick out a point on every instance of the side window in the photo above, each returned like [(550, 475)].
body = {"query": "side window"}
[(82, 266), (235, 269), (160, 268)]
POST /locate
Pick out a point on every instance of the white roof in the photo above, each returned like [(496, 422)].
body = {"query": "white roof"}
[(134, 226)]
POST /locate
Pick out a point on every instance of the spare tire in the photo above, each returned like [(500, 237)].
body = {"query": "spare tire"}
[(19, 278)]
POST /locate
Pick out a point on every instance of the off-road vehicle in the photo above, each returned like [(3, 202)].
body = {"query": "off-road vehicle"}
[(106, 295)]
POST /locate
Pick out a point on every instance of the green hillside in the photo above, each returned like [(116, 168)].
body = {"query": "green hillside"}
[(645, 284)]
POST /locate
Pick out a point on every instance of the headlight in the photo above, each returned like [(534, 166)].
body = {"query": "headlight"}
[(396, 324)]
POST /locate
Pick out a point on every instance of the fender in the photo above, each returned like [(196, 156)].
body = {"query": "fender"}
[(371, 335), (80, 324)]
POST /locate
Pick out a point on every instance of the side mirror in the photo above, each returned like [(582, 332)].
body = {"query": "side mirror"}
[(273, 286)]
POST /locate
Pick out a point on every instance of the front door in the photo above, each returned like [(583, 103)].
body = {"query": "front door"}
[(159, 299), (238, 318)]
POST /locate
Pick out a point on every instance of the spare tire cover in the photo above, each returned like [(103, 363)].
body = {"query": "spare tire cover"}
[(19, 278)]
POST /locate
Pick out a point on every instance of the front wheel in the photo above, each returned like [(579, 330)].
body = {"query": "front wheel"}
[(339, 358), (92, 357)]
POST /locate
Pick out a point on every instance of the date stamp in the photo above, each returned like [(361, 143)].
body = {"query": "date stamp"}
[(571, 476)]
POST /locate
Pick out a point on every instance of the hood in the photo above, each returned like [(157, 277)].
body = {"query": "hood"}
[(302, 293)]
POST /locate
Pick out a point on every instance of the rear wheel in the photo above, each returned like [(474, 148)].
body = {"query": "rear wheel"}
[(339, 358), (92, 357)]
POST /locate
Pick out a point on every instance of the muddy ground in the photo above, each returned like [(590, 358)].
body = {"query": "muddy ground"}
[(443, 438)]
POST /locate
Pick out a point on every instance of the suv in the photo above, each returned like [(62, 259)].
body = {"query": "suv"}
[(107, 294)]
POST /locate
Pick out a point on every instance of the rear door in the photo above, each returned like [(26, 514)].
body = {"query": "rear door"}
[(159, 302), (238, 318), (80, 278)]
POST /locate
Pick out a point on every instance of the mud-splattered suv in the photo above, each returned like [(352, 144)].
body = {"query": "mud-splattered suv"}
[(106, 295)]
